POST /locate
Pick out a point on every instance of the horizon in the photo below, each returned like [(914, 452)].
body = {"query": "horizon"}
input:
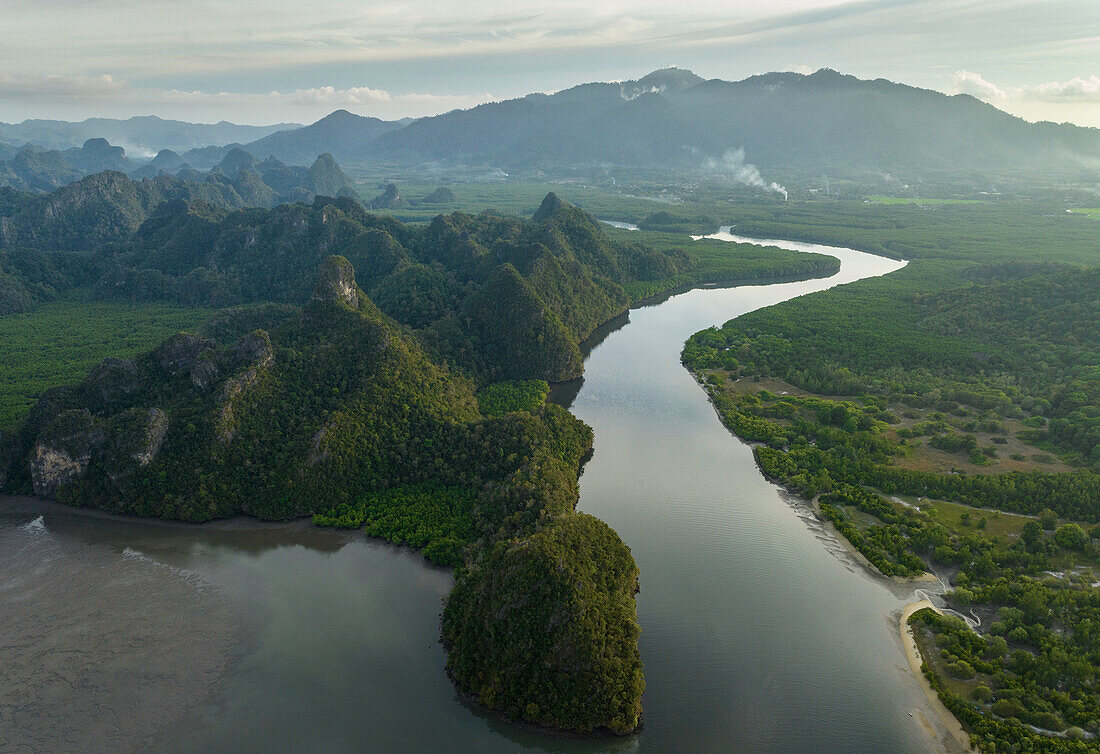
[(291, 64)]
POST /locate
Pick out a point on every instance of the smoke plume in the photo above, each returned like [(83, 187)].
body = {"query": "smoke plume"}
[(732, 165)]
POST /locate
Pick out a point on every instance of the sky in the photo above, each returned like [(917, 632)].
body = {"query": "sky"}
[(291, 61)]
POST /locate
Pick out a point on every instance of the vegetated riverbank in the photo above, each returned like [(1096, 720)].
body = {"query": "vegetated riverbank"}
[(960, 738), (924, 578), (916, 663), (886, 363)]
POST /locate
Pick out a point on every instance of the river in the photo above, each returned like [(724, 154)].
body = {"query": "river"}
[(759, 632)]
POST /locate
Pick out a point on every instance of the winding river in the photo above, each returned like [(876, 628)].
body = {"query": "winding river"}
[(759, 632)]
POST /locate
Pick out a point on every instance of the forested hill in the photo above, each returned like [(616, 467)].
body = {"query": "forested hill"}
[(454, 282), (553, 280), (336, 410)]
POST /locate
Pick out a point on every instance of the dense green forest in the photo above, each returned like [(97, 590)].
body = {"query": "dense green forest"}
[(1018, 341), (970, 376), (164, 243)]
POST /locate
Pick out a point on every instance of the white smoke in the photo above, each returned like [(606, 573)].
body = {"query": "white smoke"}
[(635, 92), (732, 165)]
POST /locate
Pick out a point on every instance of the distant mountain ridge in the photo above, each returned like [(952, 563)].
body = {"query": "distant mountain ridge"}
[(789, 122), (675, 121), (146, 133), (254, 183), (346, 135)]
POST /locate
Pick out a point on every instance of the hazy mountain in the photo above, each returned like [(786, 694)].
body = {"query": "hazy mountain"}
[(144, 135), (97, 155), (31, 169), (166, 161), (785, 122), (673, 120), (252, 183), (234, 162), (343, 135), (667, 80)]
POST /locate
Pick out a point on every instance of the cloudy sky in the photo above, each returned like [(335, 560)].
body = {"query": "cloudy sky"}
[(288, 60)]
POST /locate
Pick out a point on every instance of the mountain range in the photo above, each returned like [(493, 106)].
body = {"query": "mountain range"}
[(672, 121), (787, 124)]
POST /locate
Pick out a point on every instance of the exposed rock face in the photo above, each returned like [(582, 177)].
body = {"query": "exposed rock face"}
[(64, 450), (155, 429), (318, 452), (336, 282), (255, 353), (75, 439), (53, 467), (254, 349), (390, 198)]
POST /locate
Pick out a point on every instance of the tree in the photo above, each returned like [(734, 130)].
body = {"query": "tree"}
[(1071, 537), (1032, 535)]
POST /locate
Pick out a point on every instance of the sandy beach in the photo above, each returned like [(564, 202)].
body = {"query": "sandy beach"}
[(912, 655)]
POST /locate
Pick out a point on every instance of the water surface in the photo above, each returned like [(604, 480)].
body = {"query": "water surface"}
[(758, 632)]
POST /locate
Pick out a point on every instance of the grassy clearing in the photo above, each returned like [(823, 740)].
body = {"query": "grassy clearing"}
[(1093, 212), (1005, 526), (60, 342)]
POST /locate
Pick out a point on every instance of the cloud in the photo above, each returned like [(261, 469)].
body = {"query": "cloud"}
[(90, 92), (967, 82), (61, 86), (1076, 89)]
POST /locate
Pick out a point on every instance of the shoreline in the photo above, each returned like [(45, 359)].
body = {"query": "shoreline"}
[(925, 578), (956, 738), (915, 660)]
